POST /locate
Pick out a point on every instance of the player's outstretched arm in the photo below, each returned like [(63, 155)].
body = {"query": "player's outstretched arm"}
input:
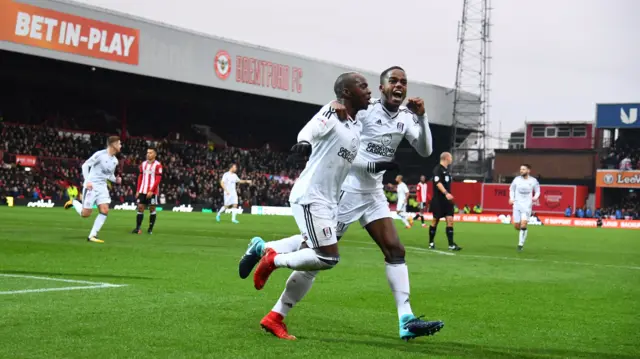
[(419, 135)]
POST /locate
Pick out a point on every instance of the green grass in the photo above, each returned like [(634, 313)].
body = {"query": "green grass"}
[(573, 293)]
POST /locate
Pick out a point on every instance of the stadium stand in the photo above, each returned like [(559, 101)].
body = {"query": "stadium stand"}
[(192, 170), (623, 155)]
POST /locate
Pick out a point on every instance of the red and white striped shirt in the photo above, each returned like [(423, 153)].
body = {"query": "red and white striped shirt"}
[(149, 178), (421, 192)]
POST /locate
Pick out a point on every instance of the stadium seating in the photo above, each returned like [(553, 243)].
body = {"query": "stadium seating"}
[(192, 171)]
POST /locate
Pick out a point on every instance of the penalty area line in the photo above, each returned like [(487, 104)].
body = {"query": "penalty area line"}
[(92, 285)]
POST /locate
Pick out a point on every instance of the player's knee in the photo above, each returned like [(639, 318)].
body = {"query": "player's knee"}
[(86, 213), (395, 254), (140, 208), (104, 212), (327, 262)]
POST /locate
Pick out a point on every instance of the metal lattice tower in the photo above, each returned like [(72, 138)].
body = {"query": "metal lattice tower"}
[(471, 100)]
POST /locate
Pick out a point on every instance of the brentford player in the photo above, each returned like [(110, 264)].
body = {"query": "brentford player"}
[(148, 189), (385, 124), (421, 197)]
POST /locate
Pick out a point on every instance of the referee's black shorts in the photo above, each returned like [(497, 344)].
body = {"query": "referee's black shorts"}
[(441, 208)]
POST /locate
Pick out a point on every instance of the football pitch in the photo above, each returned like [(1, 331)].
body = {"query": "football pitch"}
[(573, 292)]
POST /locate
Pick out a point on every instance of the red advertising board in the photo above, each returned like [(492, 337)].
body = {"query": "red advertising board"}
[(26, 161), (553, 199), (48, 29)]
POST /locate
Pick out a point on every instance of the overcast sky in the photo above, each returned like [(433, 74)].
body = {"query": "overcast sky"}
[(552, 59)]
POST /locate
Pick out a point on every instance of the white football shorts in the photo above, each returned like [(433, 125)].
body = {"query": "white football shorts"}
[(96, 196), (362, 207), (230, 199), (317, 224), (520, 214)]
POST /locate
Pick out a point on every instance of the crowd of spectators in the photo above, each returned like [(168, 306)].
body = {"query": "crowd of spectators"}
[(624, 154), (191, 171)]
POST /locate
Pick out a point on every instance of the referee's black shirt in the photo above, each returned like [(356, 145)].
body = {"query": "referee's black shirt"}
[(441, 175)]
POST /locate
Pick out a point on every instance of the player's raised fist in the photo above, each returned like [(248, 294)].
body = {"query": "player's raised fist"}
[(416, 105), (340, 109), (302, 148)]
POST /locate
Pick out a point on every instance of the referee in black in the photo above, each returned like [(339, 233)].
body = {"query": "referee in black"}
[(442, 201)]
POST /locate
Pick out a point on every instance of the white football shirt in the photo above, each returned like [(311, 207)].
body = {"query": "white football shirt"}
[(521, 191), (230, 180), (99, 168), (381, 135), (402, 191), (334, 147)]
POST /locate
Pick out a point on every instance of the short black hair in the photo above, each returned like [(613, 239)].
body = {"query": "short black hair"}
[(526, 165), (342, 82), (153, 149), (385, 72)]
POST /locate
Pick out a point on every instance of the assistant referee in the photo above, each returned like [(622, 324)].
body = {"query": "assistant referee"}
[(442, 201)]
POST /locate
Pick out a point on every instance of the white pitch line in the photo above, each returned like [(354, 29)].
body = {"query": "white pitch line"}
[(552, 261), (424, 250), (51, 279), (94, 285), (41, 290)]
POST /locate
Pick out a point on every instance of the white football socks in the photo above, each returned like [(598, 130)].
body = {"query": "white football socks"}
[(97, 224), (77, 206), (298, 285), (234, 213), (222, 210), (523, 236), (404, 220), (302, 260), (286, 245), (398, 277)]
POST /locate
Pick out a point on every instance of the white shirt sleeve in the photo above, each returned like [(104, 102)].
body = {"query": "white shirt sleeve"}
[(536, 189), (419, 135), (316, 128), (86, 166), (512, 189)]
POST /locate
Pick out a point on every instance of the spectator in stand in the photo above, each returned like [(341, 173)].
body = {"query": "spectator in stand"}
[(598, 213), (588, 213), (568, 212), (192, 169)]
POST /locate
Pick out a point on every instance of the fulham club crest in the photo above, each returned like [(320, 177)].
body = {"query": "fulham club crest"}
[(327, 232), (400, 126), (222, 64)]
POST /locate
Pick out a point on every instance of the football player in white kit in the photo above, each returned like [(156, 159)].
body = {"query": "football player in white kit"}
[(228, 183), (385, 124), (97, 170), (403, 198), (332, 145), (520, 196)]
